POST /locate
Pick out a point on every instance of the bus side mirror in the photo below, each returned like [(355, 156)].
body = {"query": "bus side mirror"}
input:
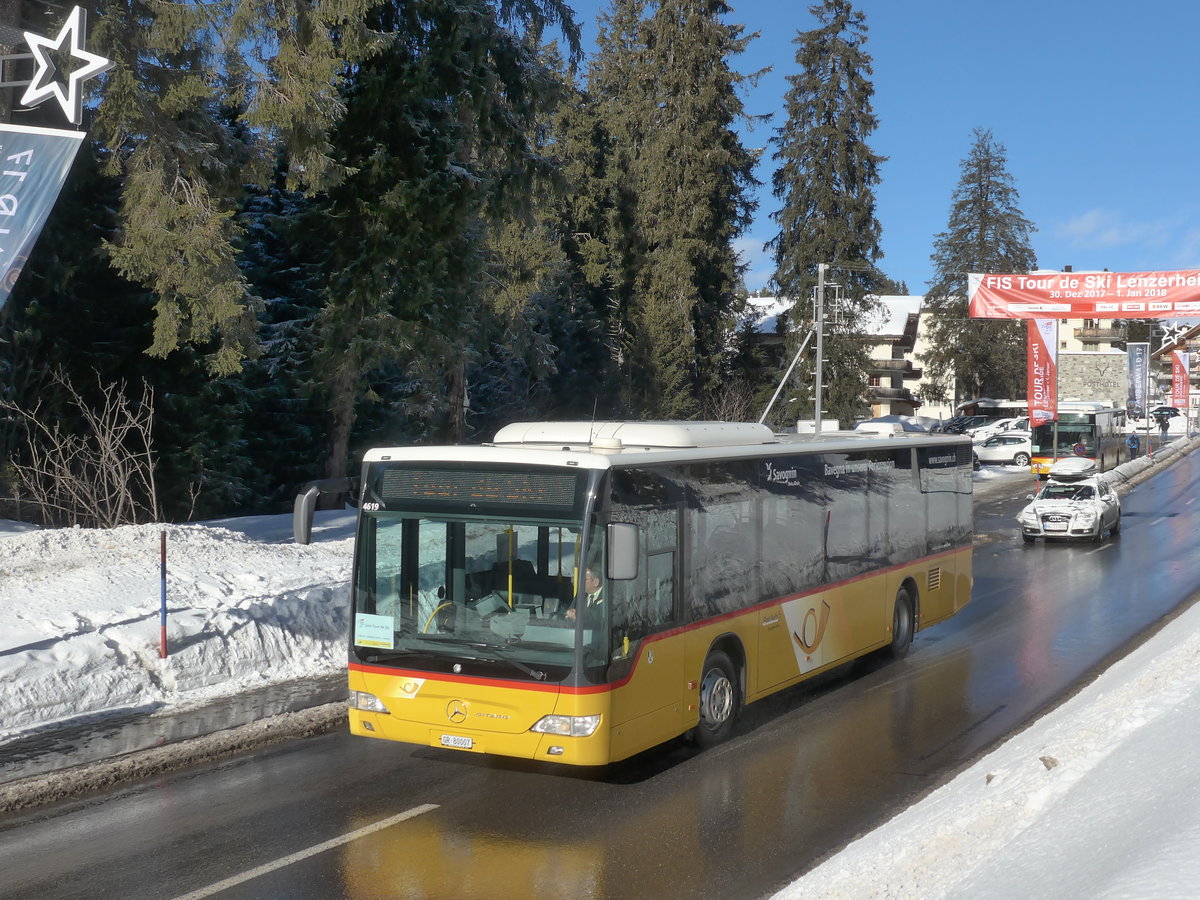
[(623, 541), (306, 503), (302, 514)]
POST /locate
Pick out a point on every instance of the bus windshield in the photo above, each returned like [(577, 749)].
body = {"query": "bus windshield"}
[(1071, 436), (473, 566), (485, 590)]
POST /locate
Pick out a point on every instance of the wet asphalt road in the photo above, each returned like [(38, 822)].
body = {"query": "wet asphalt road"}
[(812, 767)]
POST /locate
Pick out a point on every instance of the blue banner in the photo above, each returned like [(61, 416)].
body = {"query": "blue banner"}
[(34, 163)]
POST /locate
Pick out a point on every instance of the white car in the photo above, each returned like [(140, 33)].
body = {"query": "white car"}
[(999, 427), (1075, 502), (1007, 447)]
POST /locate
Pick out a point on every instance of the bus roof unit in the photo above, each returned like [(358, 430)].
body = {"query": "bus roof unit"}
[(633, 435)]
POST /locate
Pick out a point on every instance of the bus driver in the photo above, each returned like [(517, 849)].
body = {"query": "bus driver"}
[(593, 589)]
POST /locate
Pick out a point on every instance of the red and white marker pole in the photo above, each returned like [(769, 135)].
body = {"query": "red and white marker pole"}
[(162, 619)]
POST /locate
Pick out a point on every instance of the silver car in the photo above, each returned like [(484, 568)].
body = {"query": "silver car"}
[(1079, 508)]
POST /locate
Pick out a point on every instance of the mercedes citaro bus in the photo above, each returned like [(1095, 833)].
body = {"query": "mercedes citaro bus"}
[(1081, 430), (732, 562)]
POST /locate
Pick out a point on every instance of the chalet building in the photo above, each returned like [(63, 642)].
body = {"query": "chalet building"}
[(1091, 357), (893, 372)]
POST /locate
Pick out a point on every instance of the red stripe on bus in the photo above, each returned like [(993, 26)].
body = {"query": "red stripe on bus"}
[(654, 638)]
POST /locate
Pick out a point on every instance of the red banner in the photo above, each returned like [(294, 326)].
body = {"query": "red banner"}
[(1179, 380), (1042, 371), (1085, 295)]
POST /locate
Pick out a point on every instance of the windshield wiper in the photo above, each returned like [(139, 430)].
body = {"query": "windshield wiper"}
[(498, 653), (501, 654), (385, 657)]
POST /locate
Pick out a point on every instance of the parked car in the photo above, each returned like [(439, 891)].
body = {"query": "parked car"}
[(1074, 503), (963, 424), (1165, 412), (1016, 423), (1008, 447)]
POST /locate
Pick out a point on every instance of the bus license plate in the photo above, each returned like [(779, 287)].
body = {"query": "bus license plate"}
[(454, 740)]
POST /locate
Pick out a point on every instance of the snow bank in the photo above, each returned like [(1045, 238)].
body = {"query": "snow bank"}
[(1100, 798), (80, 626)]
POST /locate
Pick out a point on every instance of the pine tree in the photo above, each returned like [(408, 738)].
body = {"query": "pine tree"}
[(436, 135), (69, 313), (541, 348), (72, 315), (283, 419), (676, 195), (826, 179), (204, 95), (181, 165), (986, 232), (585, 213)]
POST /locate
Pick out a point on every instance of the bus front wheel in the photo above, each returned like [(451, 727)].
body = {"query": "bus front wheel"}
[(719, 701), (903, 622)]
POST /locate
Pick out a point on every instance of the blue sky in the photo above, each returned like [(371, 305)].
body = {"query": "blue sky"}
[(1094, 100)]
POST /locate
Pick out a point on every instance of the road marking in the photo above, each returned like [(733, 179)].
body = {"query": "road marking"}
[(1160, 519), (305, 854)]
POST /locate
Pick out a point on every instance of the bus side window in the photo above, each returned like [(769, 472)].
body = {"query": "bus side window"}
[(646, 603), (724, 557), (660, 589)]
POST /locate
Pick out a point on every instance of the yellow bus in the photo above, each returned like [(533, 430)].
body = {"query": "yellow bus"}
[(579, 592), (1081, 430)]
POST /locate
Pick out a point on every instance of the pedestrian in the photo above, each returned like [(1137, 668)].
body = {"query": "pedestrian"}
[(1134, 445)]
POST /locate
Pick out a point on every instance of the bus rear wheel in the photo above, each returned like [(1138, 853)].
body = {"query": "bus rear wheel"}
[(903, 623), (719, 702)]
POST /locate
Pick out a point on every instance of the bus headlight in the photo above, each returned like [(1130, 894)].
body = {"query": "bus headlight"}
[(570, 726), (366, 702)]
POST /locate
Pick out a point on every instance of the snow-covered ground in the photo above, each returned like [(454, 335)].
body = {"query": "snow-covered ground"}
[(1100, 798), (80, 621)]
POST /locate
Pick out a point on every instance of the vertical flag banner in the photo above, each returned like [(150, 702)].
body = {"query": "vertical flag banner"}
[(1179, 380), (1042, 371), (34, 163), (1139, 372)]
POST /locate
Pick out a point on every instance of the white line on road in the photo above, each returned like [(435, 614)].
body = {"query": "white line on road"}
[(305, 854), (1160, 519)]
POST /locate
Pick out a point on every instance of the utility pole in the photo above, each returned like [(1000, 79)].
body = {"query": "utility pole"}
[(820, 327)]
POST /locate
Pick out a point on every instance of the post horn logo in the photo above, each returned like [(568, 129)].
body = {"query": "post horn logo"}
[(814, 629)]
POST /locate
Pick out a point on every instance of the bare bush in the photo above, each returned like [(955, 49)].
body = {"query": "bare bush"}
[(733, 403), (100, 475)]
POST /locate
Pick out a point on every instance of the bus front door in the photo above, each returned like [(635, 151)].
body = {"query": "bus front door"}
[(647, 701)]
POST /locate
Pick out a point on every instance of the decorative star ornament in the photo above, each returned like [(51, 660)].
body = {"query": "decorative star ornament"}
[(1173, 333), (47, 81)]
